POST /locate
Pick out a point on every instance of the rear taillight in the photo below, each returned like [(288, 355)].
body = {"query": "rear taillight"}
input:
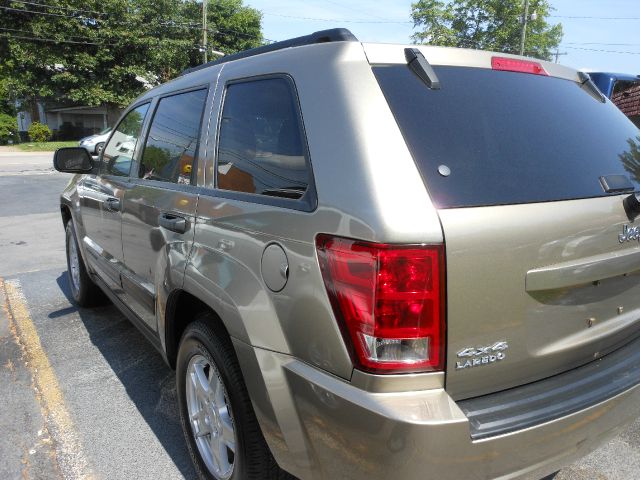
[(517, 65), (389, 302)]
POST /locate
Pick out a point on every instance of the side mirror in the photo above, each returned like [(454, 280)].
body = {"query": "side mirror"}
[(72, 160)]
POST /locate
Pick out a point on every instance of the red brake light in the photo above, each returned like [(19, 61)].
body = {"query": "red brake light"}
[(389, 302), (517, 65)]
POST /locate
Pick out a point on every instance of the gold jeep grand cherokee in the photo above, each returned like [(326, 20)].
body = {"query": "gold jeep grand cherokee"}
[(373, 261)]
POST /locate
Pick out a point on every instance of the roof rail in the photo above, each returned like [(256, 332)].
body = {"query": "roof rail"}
[(323, 36)]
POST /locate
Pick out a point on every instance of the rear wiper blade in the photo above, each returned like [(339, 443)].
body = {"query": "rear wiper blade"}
[(590, 87), (422, 68)]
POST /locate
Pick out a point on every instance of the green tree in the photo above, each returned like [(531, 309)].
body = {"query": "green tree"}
[(39, 132), (156, 158), (631, 158), (487, 25), (106, 52), (8, 128)]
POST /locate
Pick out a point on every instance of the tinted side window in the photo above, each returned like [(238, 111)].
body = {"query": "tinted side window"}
[(173, 137), (118, 153), (261, 149)]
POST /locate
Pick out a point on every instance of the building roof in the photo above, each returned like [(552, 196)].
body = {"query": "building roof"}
[(628, 101)]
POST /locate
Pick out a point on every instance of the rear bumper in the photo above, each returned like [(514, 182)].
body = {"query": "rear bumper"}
[(320, 427)]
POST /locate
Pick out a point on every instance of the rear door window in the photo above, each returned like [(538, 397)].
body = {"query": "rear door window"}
[(170, 149), (261, 148), (508, 138)]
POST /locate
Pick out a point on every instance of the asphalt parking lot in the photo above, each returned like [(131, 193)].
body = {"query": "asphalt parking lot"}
[(84, 395)]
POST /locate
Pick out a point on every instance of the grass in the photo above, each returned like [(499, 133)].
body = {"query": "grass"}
[(44, 146)]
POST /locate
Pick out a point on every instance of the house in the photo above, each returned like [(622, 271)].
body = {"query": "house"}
[(627, 99), (623, 90), (69, 122)]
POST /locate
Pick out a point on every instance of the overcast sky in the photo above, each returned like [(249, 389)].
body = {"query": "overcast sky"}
[(373, 20)]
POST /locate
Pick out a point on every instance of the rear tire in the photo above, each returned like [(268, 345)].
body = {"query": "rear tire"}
[(84, 292), (552, 476), (227, 424)]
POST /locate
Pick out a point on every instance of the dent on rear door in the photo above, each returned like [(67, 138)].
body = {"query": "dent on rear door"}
[(160, 205)]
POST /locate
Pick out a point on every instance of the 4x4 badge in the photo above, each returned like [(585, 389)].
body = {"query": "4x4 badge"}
[(478, 356)]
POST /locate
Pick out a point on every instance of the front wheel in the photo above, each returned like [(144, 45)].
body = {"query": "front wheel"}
[(220, 427), (83, 290), (99, 148)]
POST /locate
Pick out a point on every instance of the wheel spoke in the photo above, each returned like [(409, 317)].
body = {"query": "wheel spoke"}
[(219, 452), (228, 436), (201, 383), (217, 391)]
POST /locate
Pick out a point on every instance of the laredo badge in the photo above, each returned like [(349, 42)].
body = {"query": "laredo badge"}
[(479, 356)]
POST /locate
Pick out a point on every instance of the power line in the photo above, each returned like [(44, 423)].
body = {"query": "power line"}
[(600, 43), (582, 17), (341, 5), (50, 40), (599, 50), (78, 42), (167, 23), (60, 7), (363, 20), (33, 33), (21, 10), (336, 19)]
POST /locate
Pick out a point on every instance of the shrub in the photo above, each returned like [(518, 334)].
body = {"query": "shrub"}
[(8, 128), (39, 132)]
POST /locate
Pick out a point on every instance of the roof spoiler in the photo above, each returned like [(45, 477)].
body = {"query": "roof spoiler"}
[(323, 36)]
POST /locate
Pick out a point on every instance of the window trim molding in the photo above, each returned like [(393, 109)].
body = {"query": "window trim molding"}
[(307, 202)]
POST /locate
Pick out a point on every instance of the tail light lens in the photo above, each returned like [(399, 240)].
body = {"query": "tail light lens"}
[(389, 302), (517, 65)]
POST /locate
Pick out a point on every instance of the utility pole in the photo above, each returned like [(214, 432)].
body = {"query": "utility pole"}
[(525, 18), (558, 53), (204, 29)]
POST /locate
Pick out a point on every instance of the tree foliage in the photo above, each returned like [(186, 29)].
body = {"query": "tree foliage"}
[(39, 132), (486, 24), (631, 158), (120, 45), (8, 128)]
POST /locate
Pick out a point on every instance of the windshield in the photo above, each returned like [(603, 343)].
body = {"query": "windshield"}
[(105, 131), (493, 137)]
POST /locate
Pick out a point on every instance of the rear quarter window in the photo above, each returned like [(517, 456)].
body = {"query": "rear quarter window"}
[(507, 137), (262, 149)]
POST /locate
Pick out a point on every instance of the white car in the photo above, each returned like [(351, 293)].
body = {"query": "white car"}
[(95, 143)]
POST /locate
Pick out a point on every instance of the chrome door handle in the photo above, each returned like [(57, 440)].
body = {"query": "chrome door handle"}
[(112, 204), (175, 223)]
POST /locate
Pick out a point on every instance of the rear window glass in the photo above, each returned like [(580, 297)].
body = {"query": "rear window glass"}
[(508, 137)]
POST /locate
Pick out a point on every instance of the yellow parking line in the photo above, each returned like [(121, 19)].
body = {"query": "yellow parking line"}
[(71, 460)]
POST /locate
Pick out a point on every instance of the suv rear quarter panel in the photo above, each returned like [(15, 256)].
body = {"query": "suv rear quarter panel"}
[(367, 187)]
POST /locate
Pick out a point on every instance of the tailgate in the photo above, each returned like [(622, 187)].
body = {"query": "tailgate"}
[(537, 289)]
